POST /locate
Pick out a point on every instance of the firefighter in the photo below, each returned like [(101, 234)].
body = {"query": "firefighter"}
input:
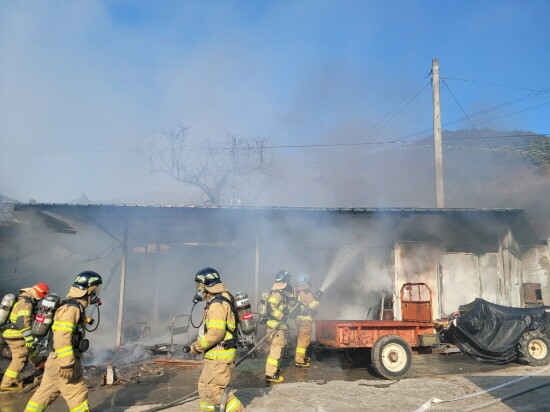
[(63, 370), (278, 305), (309, 304), (18, 334), (218, 341)]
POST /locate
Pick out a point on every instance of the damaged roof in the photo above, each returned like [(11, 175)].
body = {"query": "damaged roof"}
[(514, 217), (22, 206)]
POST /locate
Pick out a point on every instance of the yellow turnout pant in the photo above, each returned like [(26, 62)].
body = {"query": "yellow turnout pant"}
[(214, 379), (19, 358), (304, 339), (74, 390), (278, 342)]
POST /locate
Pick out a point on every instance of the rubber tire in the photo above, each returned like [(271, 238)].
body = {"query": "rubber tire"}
[(525, 342), (358, 357), (381, 364)]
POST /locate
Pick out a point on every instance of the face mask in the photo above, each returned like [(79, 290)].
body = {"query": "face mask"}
[(95, 300), (198, 296), (94, 296)]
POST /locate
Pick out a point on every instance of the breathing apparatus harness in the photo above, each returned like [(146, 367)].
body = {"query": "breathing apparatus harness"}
[(79, 341), (27, 299), (218, 297)]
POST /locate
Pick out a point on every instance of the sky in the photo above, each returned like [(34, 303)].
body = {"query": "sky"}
[(86, 86)]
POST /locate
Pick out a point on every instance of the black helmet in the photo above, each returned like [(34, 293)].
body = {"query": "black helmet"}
[(87, 279), (208, 277), (282, 276)]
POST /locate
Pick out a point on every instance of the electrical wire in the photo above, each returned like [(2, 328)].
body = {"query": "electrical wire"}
[(376, 127), (396, 106), (464, 112), (513, 113), (487, 83)]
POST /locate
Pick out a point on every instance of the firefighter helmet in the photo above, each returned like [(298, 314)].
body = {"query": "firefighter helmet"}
[(302, 279), (208, 277), (41, 289), (85, 280), (282, 276)]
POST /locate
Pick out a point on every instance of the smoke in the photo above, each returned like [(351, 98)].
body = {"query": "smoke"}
[(359, 286), (126, 355)]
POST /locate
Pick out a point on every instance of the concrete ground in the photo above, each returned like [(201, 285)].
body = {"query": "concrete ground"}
[(331, 384)]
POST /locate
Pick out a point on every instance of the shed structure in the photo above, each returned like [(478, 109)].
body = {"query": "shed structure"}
[(148, 255)]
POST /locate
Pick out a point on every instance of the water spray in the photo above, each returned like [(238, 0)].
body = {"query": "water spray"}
[(345, 256)]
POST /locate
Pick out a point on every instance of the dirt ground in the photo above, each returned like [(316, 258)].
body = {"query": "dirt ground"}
[(331, 384)]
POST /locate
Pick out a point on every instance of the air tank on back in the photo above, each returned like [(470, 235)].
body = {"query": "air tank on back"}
[(45, 311), (263, 306), (246, 321), (5, 307)]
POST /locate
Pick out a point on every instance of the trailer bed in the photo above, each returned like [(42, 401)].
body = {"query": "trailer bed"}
[(364, 333)]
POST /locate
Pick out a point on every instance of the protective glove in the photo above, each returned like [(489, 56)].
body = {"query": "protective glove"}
[(318, 295), (29, 341), (194, 351), (66, 373)]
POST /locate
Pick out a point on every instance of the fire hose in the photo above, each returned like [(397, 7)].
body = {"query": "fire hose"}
[(428, 404), (192, 395)]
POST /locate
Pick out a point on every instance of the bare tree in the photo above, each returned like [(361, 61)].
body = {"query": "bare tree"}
[(213, 168)]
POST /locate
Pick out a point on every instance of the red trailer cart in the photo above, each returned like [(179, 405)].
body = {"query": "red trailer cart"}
[(385, 343)]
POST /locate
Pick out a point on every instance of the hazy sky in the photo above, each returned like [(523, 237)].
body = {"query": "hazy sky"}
[(83, 85)]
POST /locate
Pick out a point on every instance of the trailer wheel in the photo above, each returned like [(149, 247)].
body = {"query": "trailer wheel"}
[(391, 357), (358, 357), (534, 349)]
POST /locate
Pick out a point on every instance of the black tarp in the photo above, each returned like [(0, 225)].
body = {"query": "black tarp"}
[(490, 332)]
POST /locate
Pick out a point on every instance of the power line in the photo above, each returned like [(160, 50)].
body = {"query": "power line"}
[(387, 142), (500, 106), (511, 114), (420, 132), (490, 109), (487, 83), (464, 112), (396, 106)]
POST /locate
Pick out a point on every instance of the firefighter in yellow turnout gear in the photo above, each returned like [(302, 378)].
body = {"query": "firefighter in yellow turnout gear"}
[(63, 370), (218, 343), (278, 305), (309, 304), (18, 334)]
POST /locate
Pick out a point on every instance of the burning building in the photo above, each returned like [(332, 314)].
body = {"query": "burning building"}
[(148, 256)]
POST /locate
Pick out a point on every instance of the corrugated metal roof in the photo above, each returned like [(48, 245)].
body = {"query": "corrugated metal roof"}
[(282, 208)]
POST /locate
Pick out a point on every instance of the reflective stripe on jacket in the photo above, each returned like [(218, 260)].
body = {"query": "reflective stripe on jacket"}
[(220, 324), (308, 305), (276, 305), (66, 333), (20, 317)]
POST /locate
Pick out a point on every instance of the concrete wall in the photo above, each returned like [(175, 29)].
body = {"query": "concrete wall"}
[(511, 286), (416, 262), (460, 280), (536, 268), (457, 278)]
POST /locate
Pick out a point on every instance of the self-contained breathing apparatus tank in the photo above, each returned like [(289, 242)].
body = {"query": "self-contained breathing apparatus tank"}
[(262, 310), (5, 307), (45, 311), (246, 319)]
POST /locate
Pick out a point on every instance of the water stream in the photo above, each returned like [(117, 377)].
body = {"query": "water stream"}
[(346, 255)]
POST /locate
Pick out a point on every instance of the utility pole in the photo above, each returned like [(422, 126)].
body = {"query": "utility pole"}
[(123, 259), (438, 152)]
